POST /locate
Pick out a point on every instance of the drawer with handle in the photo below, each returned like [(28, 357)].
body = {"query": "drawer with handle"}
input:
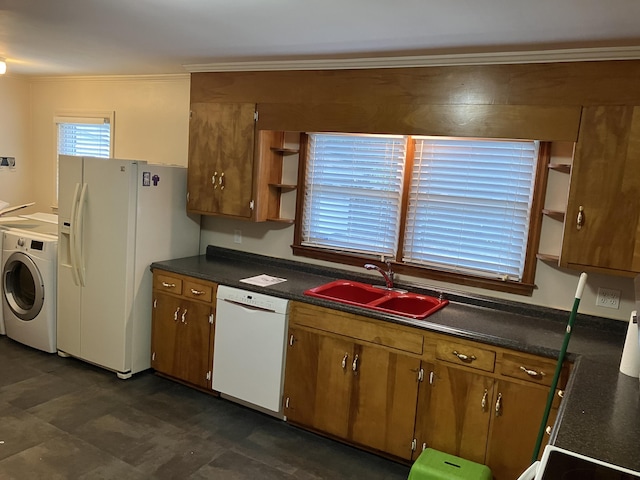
[(538, 370), (198, 291), (467, 355), (167, 283)]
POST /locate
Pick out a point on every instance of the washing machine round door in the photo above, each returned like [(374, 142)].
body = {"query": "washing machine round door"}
[(22, 286)]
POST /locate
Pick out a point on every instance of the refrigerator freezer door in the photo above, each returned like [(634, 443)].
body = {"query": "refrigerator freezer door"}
[(69, 292)]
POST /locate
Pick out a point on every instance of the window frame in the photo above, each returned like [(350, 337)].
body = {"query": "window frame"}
[(523, 287)]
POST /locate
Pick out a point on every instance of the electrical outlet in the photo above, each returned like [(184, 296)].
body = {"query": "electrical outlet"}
[(237, 236), (608, 298)]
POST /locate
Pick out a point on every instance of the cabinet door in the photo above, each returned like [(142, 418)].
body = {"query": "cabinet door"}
[(424, 410), (515, 426), (605, 185), (194, 333), (318, 380), (221, 158), (164, 333), (460, 412), (383, 400)]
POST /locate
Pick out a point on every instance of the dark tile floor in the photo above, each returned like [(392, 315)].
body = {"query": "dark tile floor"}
[(65, 419)]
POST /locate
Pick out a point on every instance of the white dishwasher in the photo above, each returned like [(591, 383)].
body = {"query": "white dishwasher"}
[(249, 347)]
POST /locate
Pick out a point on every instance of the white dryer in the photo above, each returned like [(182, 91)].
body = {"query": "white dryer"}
[(29, 267)]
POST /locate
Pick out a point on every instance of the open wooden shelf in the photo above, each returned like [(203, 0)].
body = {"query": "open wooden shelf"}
[(281, 220), (283, 186), (560, 167), (285, 151), (545, 257), (555, 214)]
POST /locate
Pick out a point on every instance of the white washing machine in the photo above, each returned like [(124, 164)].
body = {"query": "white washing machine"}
[(41, 222), (29, 267)]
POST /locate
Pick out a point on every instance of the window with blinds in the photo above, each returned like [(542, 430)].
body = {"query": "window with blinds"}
[(353, 192), (89, 136), (84, 136), (466, 209), (469, 205)]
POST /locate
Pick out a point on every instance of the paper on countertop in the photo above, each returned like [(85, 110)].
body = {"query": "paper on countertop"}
[(263, 280)]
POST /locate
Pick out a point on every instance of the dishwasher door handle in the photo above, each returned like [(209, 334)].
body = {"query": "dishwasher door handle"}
[(248, 307)]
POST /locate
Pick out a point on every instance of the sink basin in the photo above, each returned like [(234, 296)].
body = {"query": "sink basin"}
[(411, 305), (402, 303), (348, 292)]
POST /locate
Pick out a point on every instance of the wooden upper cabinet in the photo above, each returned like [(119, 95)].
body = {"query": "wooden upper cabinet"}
[(602, 227), (221, 159)]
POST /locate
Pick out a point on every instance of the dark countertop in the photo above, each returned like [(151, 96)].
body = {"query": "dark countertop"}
[(600, 415)]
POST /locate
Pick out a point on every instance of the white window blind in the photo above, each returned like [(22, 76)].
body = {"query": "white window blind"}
[(469, 205), (353, 191), (84, 136)]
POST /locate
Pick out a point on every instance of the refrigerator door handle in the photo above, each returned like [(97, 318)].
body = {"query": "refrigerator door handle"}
[(72, 237), (78, 234)]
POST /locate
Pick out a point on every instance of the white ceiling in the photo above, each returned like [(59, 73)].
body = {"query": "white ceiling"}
[(96, 37)]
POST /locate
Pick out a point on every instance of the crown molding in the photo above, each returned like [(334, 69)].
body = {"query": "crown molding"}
[(109, 78), (496, 58)]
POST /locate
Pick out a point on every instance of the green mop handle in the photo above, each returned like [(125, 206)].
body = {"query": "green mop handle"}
[(556, 376)]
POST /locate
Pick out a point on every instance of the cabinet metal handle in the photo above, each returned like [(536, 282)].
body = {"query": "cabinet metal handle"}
[(175, 314), (561, 393), (499, 405), (214, 181), (532, 373), (221, 181), (354, 365), (463, 357), (197, 292), (291, 340), (344, 361), (548, 430), (184, 316), (424, 446), (168, 285), (580, 219), (484, 400)]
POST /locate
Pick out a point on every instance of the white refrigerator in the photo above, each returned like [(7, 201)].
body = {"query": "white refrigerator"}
[(116, 217)]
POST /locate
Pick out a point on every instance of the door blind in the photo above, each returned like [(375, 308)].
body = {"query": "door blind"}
[(353, 191), (469, 205)]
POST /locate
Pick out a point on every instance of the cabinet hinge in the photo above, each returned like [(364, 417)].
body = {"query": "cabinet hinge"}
[(421, 375), (414, 445), (255, 116), (153, 356), (211, 318), (155, 302), (252, 204), (209, 375)]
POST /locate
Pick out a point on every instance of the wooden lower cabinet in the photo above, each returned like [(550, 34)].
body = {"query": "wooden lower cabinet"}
[(480, 418), (182, 329), (517, 413), (361, 393), (456, 419)]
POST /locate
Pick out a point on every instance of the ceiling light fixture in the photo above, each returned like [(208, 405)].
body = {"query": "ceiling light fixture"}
[(3, 66)]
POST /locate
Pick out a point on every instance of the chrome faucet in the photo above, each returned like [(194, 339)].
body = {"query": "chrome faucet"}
[(388, 275)]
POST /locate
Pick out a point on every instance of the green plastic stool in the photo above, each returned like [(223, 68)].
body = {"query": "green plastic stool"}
[(435, 465)]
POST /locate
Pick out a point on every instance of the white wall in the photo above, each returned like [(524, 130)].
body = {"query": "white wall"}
[(15, 183), (151, 120)]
